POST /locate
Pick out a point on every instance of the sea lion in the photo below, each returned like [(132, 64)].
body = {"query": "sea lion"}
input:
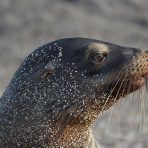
[(62, 87)]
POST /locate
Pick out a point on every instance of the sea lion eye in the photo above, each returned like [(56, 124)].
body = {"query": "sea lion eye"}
[(99, 57)]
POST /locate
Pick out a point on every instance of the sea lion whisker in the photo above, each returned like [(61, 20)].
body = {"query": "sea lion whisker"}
[(119, 119), (110, 115), (108, 122), (141, 106), (107, 99), (113, 107)]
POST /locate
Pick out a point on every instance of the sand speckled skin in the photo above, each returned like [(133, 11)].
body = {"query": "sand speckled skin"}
[(59, 91)]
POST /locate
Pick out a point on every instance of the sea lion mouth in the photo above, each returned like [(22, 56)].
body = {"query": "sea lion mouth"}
[(137, 83), (122, 88)]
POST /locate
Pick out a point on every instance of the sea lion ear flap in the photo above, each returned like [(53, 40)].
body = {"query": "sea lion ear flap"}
[(43, 71), (48, 70)]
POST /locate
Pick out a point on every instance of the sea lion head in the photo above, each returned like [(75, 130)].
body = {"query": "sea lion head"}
[(83, 71), (103, 72), (66, 85)]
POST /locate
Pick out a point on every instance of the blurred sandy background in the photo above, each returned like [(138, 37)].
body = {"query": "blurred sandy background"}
[(25, 25)]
